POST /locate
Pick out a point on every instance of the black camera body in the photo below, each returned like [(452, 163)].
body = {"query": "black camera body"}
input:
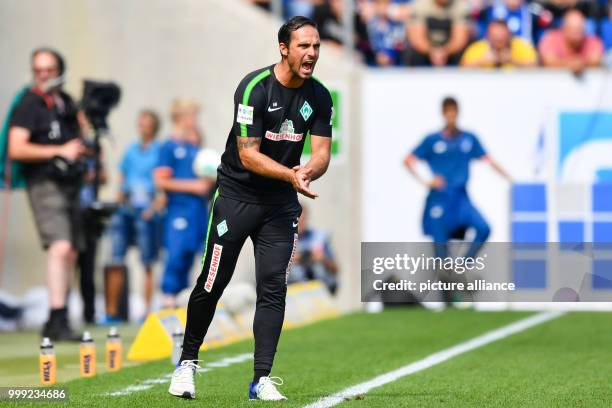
[(98, 99), (67, 171)]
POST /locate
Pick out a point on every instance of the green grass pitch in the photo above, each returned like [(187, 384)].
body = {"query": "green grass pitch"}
[(563, 362)]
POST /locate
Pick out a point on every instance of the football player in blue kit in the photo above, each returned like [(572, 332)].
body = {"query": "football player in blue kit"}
[(449, 212), (187, 203)]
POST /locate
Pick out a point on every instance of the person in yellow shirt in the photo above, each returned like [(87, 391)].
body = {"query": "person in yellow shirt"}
[(499, 50)]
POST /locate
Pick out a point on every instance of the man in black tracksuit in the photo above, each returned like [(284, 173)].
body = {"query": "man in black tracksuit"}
[(275, 109)]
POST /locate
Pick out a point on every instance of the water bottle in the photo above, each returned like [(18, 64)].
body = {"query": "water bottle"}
[(114, 350), (177, 345), (88, 356), (47, 362)]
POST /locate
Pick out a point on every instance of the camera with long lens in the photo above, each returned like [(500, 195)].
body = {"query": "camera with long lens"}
[(97, 101)]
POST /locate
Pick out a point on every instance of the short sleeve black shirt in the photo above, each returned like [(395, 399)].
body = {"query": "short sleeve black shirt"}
[(53, 125), (282, 117)]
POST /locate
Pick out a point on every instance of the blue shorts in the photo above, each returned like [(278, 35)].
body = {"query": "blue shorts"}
[(127, 228), (176, 273), (448, 212), (185, 233)]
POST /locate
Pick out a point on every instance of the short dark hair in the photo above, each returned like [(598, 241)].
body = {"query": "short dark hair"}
[(61, 65), (499, 22), (449, 102), (153, 115), (291, 25)]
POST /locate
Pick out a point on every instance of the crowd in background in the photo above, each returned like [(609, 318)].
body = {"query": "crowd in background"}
[(573, 34)]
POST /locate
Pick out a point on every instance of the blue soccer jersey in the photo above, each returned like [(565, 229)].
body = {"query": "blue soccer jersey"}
[(519, 21), (186, 213), (179, 156), (450, 156)]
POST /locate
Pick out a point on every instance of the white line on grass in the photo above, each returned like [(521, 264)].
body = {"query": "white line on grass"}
[(146, 384), (433, 359)]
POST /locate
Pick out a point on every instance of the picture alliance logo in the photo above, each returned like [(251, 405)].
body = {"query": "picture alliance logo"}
[(286, 132)]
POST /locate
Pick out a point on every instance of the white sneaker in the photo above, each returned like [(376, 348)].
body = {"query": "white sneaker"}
[(182, 384), (265, 389)]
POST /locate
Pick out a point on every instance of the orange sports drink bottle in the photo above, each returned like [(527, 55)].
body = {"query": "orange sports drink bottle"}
[(47, 363), (88, 356), (114, 350)]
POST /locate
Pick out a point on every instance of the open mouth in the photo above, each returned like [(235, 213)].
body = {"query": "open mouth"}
[(307, 67)]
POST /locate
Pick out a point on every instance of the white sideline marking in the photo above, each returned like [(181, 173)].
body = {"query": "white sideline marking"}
[(164, 379), (436, 358)]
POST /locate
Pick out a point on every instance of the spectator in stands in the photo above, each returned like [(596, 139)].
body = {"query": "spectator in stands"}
[(328, 16), (387, 36), (135, 221), (437, 32), (298, 8), (314, 258), (397, 10), (499, 50), (264, 4), (558, 9), (515, 13), (400, 10), (290, 8), (570, 47)]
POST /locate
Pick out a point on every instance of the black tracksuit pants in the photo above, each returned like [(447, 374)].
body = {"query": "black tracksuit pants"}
[(273, 230)]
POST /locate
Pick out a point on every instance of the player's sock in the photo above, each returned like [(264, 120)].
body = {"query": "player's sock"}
[(58, 314), (260, 373)]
